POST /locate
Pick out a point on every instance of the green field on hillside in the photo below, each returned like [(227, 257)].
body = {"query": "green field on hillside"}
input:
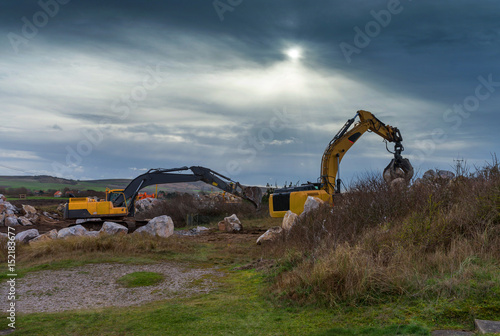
[(35, 183)]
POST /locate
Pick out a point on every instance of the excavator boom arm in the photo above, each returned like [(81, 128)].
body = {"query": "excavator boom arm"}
[(346, 137), (164, 176)]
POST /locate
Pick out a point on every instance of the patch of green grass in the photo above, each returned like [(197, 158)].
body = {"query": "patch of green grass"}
[(140, 279), (236, 307)]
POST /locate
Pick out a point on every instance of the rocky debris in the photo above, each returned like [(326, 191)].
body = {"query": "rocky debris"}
[(51, 235), (8, 213), (270, 235), (162, 226), (192, 232), (289, 220), (27, 235), (76, 230), (438, 174), (113, 228), (230, 224), (60, 207), (311, 204), (145, 204), (24, 221), (50, 216)]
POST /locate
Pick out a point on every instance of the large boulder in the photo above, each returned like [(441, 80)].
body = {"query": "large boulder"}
[(311, 204), (270, 235), (289, 220), (72, 231), (27, 235), (51, 235), (230, 224), (113, 228), (162, 226)]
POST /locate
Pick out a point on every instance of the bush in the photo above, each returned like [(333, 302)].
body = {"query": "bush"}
[(435, 238), (181, 205)]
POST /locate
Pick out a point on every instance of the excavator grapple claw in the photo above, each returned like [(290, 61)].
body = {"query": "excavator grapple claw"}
[(398, 169)]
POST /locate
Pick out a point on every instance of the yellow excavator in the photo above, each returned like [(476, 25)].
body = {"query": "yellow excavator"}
[(120, 203), (294, 198)]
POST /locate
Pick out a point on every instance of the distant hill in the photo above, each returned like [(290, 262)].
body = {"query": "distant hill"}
[(44, 182)]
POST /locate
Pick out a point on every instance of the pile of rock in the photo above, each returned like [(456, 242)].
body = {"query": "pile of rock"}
[(162, 226), (9, 214), (290, 219), (145, 204)]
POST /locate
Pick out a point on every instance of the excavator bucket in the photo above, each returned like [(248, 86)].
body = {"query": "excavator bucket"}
[(253, 194), (398, 169)]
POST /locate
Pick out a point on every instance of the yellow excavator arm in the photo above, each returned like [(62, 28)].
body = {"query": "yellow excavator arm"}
[(346, 137), (294, 198)]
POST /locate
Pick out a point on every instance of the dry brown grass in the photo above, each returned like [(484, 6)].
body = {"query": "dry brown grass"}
[(439, 239)]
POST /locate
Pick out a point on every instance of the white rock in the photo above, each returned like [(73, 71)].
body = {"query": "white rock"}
[(289, 220), (51, 235), (231, 224), (11, 207), (270, 235), (29, 210), (27, 235), (11, 221), (76, 230), (145, 204), (85, 220), (24, 221), (113, 228), (312, 203), (162, 226)]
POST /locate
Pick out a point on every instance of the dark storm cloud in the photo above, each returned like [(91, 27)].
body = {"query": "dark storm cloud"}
[(222, 79)]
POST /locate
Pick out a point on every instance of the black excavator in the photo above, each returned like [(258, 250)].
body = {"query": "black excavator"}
[(120, 203)]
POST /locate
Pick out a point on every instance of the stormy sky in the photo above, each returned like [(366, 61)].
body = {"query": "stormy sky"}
[(254, 89)]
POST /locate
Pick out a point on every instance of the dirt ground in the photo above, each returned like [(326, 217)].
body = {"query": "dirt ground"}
[(45, 225), (94, 286)]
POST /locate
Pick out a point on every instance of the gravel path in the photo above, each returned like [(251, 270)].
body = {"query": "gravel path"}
[(94, 286)]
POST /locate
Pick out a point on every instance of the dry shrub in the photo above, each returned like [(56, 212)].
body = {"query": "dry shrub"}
[(110, 245), (431, 239), (185, 204)]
